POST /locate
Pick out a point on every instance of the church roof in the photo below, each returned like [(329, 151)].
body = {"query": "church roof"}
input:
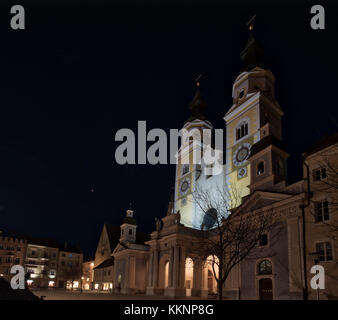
[(322, 144), (197, 107), (129, 220), (114, 233), (252, 55), (264, 143), (107, 263)]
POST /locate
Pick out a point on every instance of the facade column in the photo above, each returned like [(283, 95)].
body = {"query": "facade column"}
[(171, 265), (150, 270), (155, 268), (182, 268), (177, 266), (126, 281), (197, 278)]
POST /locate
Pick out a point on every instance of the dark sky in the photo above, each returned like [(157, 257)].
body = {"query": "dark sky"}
[(83, 69)]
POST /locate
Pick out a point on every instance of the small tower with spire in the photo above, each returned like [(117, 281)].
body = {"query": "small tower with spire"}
[(188, 170), (128, 227)]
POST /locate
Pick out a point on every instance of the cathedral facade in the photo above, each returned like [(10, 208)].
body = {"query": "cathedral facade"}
[(168, 264)]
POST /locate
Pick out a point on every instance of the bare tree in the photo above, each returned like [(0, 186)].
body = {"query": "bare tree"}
[(230, 234)]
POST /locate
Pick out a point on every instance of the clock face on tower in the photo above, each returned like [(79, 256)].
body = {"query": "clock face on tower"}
[(241, 154), (184, 186)]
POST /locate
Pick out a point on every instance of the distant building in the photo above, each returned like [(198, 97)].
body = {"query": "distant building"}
[(69, 270), (104, 263), (121, 257), (41, 262), (87, 275), (12, 252)]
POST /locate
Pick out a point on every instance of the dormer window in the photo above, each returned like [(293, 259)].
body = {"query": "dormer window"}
[(260, 168), (242, 130), (185, 169)]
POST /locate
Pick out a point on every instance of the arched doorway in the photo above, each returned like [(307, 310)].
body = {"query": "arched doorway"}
[(211, 265), (265, 285), (163, 272), (166, 274), (189, 275)]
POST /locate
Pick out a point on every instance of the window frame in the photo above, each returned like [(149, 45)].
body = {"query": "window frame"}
[(325, 242), (322, 214)]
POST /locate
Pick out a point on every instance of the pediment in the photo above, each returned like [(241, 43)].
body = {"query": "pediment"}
[(260, 199), (120, 247)]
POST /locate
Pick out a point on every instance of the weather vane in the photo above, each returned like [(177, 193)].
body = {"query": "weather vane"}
[(249, 23), (197, 82)]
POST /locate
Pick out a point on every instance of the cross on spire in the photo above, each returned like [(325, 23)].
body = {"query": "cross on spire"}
[(250, 22), (197, 80)]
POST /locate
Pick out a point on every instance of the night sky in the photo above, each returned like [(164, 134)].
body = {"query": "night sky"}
[(84, 69)]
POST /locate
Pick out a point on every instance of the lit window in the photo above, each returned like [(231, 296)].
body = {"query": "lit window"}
[(319, 174), (96, 286), (51, 284), (29, 282), (322, 211), (260, 168), (265, 267), (324, 250)]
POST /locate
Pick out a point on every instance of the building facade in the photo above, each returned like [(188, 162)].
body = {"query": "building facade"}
[(304, 229), (69, 270), (41, 263), (88, 275), (12, 252)]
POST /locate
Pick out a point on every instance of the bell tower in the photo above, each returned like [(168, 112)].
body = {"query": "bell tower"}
[(128, 227), (188, 172), (254, 114)]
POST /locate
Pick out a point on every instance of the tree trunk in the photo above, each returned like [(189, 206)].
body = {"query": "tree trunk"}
[(219, 290)]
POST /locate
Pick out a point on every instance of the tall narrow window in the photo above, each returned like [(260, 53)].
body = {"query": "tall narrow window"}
[(322, 211), (324, 249), (260, 168)]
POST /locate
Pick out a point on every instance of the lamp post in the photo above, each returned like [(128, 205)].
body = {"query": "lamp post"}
[(81, 282)]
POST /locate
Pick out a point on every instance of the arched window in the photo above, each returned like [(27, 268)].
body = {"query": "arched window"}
[(265, 267), (242, 130), (185, 169), (260, 168)]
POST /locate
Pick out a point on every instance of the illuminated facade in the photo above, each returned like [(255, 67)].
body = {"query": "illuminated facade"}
[(169, 264)]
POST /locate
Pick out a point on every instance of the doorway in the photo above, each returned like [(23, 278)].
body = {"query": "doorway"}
[(265, 289)]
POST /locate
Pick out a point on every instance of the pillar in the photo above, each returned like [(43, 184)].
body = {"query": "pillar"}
[(155, 268), (171, 265), (182, 268), (177, 266), (150, 270)]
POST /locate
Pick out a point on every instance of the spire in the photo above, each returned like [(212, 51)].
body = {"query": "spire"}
[(171, 202), (197, 105), (130, 211), (252, 55)]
